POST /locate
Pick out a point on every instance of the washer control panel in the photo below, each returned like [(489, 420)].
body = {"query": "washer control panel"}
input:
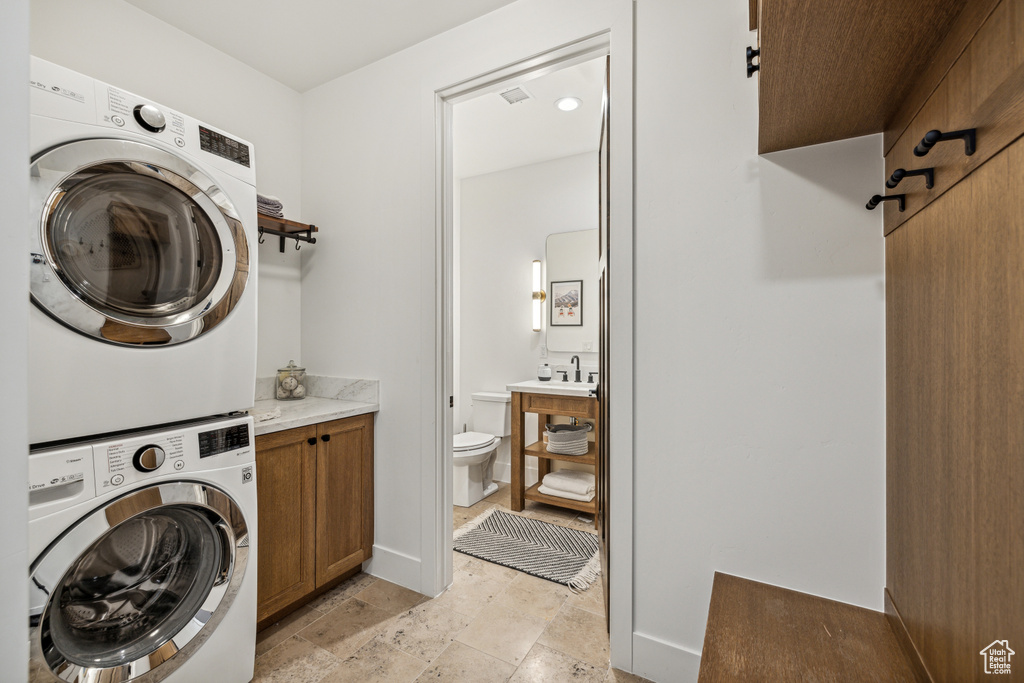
[(193, 448)]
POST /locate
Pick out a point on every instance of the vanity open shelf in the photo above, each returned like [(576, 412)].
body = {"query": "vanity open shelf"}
[(527, 399)]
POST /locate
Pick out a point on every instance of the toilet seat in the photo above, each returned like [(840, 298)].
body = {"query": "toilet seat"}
[(471, 441)]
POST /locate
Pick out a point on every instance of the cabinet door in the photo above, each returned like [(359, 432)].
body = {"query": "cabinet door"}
[(286, 486), (344, 496)]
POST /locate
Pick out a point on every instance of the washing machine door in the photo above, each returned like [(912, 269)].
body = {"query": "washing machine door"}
[(132, 244), (131, 590)]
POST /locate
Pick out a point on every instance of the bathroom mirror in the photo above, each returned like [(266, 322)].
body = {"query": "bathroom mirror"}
[(572, 266)]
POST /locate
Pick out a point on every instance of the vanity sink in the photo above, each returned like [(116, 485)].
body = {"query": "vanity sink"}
[(554, 387)]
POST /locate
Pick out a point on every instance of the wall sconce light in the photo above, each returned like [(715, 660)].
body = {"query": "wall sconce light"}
[(539, 295)]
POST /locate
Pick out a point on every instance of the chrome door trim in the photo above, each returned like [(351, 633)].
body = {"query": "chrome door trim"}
[(54, 170), (50, 567)]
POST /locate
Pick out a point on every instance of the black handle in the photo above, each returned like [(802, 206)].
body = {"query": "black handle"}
[(565, 375), (934, 136), (751, 67), (901, 173), (590, 378), (877, 199), (325, 437), (311, 441)]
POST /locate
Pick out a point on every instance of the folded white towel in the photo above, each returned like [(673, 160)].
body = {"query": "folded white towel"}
[(565, 494), (571, 481)]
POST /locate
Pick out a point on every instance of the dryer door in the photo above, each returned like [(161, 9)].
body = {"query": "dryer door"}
[(132, 244), (128, 589)]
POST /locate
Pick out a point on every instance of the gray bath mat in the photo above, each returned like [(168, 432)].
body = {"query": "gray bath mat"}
[(552, 552)]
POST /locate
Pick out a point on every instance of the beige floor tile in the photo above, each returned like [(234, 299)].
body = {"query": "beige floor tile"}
[(277, 633), (459, 560), (591, 599), (476, 568), (389, 596), (294, 661), (544, 665), (425, 630), (503, 633), (342, 592), (348, 627), (579, 634), (535, 596), (377, 662), (462, 664), (470, 592), (617, 676)]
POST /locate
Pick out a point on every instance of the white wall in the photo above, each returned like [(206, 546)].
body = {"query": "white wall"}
[(759, 377), (14, 336), (122, 45)]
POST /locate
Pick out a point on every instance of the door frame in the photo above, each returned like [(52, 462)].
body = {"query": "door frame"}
[(437, 569)]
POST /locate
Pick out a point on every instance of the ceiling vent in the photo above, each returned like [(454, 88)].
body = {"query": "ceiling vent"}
[(516, 94)]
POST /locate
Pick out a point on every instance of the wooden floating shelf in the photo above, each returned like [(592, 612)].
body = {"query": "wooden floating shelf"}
[(533, 494), (539, 451), (285, 229)]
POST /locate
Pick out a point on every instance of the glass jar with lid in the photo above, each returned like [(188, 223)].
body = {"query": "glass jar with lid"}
[(291, 382)]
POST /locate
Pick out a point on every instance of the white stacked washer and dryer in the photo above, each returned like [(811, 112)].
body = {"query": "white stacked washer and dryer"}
[(142, 494)]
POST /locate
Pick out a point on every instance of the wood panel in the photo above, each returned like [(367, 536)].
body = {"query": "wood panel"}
[(570, 406), (955, 404), (539, 450), (286, 488), (983, 90), (518, 502), (344, 489), (759, 632), (752, 11), (974, 14), (836, 69)]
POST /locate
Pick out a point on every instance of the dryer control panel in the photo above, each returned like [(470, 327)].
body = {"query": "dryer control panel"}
[(194, 448)]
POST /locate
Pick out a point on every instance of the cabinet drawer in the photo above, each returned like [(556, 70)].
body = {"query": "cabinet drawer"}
[(570, 406), (984, 90)]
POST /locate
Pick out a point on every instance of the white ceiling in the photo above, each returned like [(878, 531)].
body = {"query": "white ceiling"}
[(492, 135), (304, 43)]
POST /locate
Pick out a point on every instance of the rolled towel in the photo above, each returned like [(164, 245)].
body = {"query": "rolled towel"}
[(571, 481), (565, 494)]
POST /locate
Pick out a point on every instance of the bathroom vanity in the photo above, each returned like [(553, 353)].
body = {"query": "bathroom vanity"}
[(547, 400)]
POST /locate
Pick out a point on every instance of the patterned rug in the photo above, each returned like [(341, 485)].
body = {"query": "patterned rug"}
[(552, 552)]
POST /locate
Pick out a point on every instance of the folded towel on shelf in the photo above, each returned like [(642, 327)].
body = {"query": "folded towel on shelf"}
[(269, 212), (269, 205), (565, 494), (570, 481)]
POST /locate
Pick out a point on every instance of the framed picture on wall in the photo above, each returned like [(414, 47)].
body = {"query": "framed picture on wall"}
[(566, 303)]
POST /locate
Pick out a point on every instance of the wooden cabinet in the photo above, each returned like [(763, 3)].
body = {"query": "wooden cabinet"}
[(546, 406), (315, 517)]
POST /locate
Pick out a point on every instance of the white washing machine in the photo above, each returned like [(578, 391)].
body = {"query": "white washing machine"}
[(144, 550), (143, 249)]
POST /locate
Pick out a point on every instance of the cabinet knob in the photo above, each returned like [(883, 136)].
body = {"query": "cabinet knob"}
[(325, 437), (311, 441)]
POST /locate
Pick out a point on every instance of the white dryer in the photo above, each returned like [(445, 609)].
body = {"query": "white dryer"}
[(144, 565), (143, 275)]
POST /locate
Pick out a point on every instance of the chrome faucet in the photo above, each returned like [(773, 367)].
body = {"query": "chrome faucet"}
[(576, 360)]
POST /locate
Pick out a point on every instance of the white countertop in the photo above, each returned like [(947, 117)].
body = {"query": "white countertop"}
[(554, 387), (307, 411)]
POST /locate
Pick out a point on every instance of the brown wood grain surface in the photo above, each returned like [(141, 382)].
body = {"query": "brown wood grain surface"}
[(984, 89), (955, 403), (343, 459), (286, 487), (759, 632), (836, 69)]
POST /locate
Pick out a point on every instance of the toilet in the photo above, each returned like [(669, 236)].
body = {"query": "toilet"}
[(474, 452)]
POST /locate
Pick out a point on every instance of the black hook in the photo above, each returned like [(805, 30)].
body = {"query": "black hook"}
[(298, 245), (901, 173), (751, 67), (933, 136), (261, 236), (877, 199)]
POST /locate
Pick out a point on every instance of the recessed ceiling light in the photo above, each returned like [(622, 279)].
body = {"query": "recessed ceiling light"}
[(568, 103)]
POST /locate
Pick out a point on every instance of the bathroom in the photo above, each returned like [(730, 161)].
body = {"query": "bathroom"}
[(526, 188)]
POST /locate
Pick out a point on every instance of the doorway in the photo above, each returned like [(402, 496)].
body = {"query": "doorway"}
[(454, 398)]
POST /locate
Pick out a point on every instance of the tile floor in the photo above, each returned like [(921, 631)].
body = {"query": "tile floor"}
[(493, 625)]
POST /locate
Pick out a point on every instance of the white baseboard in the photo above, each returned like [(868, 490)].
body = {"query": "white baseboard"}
[(395, 567), (503, 473), (662, 661)]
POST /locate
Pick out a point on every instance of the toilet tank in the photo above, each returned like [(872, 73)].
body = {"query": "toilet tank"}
[(492, 412)]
